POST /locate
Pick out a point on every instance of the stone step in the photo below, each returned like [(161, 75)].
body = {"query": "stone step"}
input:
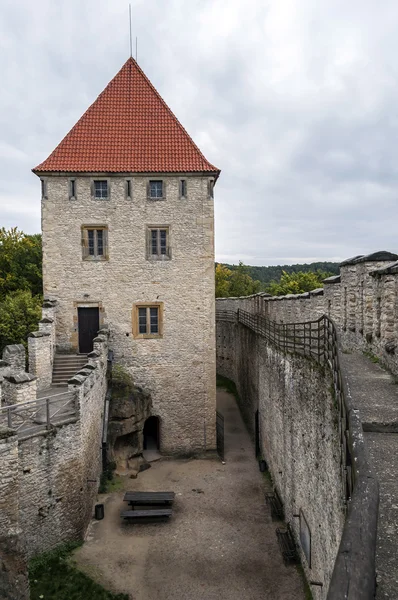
[(68, 367)]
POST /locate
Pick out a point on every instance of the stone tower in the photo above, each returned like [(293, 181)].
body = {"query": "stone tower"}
[(128, 241)]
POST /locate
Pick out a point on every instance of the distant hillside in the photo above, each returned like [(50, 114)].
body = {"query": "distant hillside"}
[(273, 273)]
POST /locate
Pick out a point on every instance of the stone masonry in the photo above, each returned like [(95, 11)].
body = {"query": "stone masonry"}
[(178, 369)]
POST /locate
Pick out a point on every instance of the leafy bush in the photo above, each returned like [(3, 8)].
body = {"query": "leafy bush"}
[(20, 313), (121, 379)]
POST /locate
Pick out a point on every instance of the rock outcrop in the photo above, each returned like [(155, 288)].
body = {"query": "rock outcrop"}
[(128, 411)]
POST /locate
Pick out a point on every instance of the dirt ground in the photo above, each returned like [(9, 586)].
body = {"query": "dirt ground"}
[(220, 543)]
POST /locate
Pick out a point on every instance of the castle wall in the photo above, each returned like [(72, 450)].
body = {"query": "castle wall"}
[(298, 436), (54, 474), (362, 302), (178, 369)]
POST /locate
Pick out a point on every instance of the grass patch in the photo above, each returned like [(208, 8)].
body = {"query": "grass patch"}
[(52, 577), (375, 359), (115, 484), (108, 481)]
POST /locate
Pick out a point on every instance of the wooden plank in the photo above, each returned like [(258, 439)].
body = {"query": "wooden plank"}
[(150, 498)]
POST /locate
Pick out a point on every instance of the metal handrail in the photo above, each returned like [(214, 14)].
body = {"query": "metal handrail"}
[(354, 570), (33, 415), (318, 340)]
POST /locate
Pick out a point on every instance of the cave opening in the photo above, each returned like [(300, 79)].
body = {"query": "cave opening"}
[(151, 434)]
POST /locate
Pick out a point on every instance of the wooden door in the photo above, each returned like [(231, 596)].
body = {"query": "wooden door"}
[(88, 320)]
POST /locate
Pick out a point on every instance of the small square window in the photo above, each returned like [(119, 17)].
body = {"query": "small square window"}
[(147, 320), (183, 188), (156, 189), (101, 189), (158, 243), (94, 243)]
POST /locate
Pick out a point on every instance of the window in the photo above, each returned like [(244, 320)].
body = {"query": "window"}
[(101, 189), (211, 188), (155, 190), (72, 189), (147, 320), (95, 243), (183, 188), (158, 243), (43, 188), (128, 189)]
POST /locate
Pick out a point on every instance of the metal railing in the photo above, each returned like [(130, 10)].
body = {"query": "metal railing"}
[(36, 416), (317, 340), (354, 569)]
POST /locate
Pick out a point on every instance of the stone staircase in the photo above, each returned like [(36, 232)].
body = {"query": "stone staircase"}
[(65, 366)]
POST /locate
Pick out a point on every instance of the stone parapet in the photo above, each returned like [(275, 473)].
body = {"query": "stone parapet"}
[(18, 388), (362, 301)]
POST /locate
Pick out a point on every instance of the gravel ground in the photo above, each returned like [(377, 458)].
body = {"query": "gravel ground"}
[(220, 543)]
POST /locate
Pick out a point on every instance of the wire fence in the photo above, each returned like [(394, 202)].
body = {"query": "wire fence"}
[(316, 340)]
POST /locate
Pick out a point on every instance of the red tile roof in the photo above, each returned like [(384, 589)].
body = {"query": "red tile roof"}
[(129, 128)]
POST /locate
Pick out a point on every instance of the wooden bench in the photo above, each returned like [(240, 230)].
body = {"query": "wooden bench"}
[(287, 544), (147, 516), (275, 503), (149, 498)]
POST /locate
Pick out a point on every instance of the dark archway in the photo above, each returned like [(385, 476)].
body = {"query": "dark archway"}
[(151, 434)]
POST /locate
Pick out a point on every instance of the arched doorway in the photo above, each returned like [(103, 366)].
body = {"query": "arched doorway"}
[(151, 434)]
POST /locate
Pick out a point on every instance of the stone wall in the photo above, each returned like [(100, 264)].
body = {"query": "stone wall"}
[(298, 437), (13, 559), (362, 301), (49, 479), (41, 347), (178, 369)]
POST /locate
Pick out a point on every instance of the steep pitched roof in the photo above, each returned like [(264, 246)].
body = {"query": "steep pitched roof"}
[(129, 128)]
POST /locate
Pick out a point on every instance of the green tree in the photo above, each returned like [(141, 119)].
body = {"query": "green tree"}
[(20, 262), (234, 282), (297, 283), (20, 313), (222, 281)]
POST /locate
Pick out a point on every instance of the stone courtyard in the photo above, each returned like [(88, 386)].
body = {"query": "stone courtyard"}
[(220, 543)]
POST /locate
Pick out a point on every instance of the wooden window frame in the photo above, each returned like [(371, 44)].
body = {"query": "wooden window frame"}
[(148, 190), (92, 186), (84, 237), (135, 320), (157, 256)]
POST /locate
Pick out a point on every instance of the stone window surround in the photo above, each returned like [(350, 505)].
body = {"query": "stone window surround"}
[(84, 242), (210, 187), (43, 183), (134, 318), (84, 304), (148, 189), (162, 257), (129, 188), (92, 188), (72, 184), (180, 186)]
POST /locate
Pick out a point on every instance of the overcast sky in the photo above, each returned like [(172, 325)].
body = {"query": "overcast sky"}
[(296, 101)]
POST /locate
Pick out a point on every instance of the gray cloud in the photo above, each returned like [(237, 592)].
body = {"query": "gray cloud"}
[(296, 102)]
